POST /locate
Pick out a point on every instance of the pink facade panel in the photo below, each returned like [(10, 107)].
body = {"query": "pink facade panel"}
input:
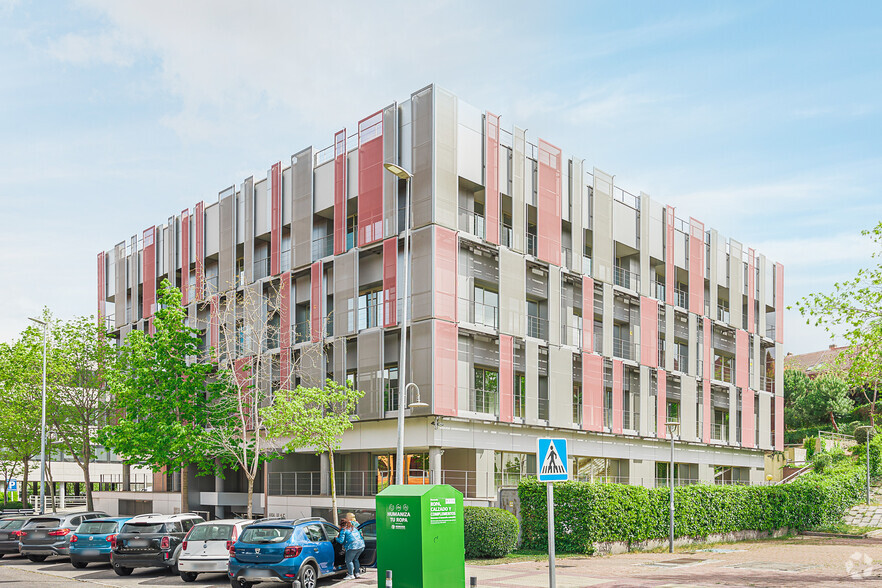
[(445, 273), (506, 378), (185, 257), (779, 423), (148, 273), (340, 192), (696, 267), (751, 291), (592, 392), (285, 310), (445, 393), (648, 332), (587, 314), (390, 282), (748, 418), (705, 382), (276, 219), (491, 182), (742, 359), (779, 303), (548, 203), (315, 302), (200, 250), (370, 179), (670, 269), (618, 394), (102, 293), (661, 408)]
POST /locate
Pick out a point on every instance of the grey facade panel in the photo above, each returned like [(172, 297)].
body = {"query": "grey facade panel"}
[(765, 420), (518, 203), (422, 128), (346, 293), (312, 368), (301, 241), (603, 252), (554, 305), (390, 182), (248, 245), (512, 293), (370, 373), (422, 286), (421, 359), (577, 195), (645, 231), (119, 280), (446, 179), (227, 249), (560, 387), (171, 266), (689, 390), (135, 278), (532, 377)]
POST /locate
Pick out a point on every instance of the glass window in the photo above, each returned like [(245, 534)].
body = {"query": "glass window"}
[(486, 389), (368, 531), (143, 528), (211, 532), (43, 523), (390, 392), (266, 534), (97, 528), (369, 304), (314, 533), (486, 307), (520, 395)]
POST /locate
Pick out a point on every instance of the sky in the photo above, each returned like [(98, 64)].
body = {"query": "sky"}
[(762, 120)]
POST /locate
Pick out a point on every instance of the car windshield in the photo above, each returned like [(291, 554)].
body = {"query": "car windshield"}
[(210, 532), (266, 534), (43, 523), (14, 524), (97, 528), (143, 528)]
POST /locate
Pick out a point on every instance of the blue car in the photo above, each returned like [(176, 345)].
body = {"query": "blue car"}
[(285, 551), (93, 541)]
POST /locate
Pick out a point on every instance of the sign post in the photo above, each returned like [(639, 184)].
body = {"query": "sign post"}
[(554, 466)]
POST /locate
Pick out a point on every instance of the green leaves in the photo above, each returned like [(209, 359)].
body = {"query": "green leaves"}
[(818, 401), (489, 532)]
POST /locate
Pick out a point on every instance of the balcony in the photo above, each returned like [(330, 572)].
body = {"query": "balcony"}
[(537, 327), (657, 290), (322, 247), (471, 222), (624, 349), (532, 246), (723, 373), (484, 401), (767, 384), (681, 362), (301, 332), (720, 432), (294, 483), (505, 234), (571, 335), (723, 313), (626, 278), (261, 268), (479, 313), (681, 298)]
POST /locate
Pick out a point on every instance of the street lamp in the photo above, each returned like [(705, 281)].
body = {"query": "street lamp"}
[(673, 428), (417, 403), (869, 429), (405, 175), (43, 424)]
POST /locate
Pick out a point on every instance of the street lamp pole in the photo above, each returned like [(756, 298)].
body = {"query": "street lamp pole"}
[(405, 175), (43, 425), (672, 427), (869, 429)]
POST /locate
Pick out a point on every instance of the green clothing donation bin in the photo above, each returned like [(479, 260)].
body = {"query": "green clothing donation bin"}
[(421, 536)]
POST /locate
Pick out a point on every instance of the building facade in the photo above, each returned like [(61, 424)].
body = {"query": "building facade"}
[(544, 300)]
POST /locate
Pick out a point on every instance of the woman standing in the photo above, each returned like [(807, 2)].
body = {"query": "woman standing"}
[(353, 543)]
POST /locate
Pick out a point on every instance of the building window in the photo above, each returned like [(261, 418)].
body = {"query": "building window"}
[(390, 392), (486, 307), (369, 309), (577, 403), (520, 395), (673, 412), (543, 398), (351, 231), (485, 391)]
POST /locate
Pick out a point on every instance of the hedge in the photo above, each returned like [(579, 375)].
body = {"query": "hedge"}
[(587, 513), (489, 532)]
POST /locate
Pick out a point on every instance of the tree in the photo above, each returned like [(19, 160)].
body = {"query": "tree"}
[(825, 399), (248, 326), (84, 361), (163, 397), (855, 307), (314, 417), (796, 383)]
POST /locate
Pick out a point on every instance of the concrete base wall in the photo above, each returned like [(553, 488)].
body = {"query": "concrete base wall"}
[(614, 547)]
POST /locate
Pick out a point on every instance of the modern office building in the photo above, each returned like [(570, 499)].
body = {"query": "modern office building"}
[(544, 300)]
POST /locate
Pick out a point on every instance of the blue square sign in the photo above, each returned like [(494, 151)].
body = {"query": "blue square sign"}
[(552, 460)]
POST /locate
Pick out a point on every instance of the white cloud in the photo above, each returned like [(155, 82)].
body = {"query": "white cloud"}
[(99, 49)]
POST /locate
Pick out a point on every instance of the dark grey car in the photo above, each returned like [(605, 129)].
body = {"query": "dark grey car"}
[(49, 534), (9, 528)]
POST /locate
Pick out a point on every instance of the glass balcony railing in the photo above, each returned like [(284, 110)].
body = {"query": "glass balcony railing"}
[(720, 432), (479, 313), (322, 247), (301, 332), (626, 278), (532, 244), (537, 327), (471, 222), (681, 362), (624, 349), (681, 298), (722, 313), (657, 290), (505, 235), (261, 268), (723, 373), (586, 265)]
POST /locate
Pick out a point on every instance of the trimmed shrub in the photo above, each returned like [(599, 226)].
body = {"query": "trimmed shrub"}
[(489, 532), (810, 444), (12, 505), (821, 462), (587, 513)]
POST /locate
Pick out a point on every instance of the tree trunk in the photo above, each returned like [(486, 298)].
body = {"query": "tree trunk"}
[(250, 479), (88, 479), (51, 486), (23, 494), (873, 405), (185, 489), (333, 488), (833, 420)]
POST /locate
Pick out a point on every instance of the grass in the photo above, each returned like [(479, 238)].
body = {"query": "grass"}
[(845, 529), (519, 555)]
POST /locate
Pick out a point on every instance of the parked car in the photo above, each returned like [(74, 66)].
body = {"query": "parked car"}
[(93, 540), (206, 548), (9, 530), (45, 535), (151, 541), (285, 551)]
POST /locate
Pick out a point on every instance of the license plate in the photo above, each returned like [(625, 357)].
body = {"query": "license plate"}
[(39, 535), (254, 573), (90, 552), (202, 567), (138, 543)]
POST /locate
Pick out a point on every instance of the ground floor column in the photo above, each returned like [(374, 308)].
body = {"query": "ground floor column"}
[(435, 465)]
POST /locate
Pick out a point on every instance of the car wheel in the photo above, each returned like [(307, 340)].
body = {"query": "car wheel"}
[(37, 558), (121, 571), (308, 576), (1, 555), (79, 564), (188, 576), (237, 584)]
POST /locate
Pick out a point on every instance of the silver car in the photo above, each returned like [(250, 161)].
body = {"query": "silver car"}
[(49, 534), (206, 548)]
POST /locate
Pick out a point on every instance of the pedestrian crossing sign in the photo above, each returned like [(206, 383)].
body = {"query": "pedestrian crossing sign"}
[(552, 460)]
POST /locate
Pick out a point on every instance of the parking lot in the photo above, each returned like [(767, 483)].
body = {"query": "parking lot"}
[(791, 562)]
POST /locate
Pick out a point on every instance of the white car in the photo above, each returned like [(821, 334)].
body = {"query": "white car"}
[(206, 549)]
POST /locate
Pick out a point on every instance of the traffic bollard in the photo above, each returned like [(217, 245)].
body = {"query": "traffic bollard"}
[(473, 582), (297, 584), (388, 578)]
